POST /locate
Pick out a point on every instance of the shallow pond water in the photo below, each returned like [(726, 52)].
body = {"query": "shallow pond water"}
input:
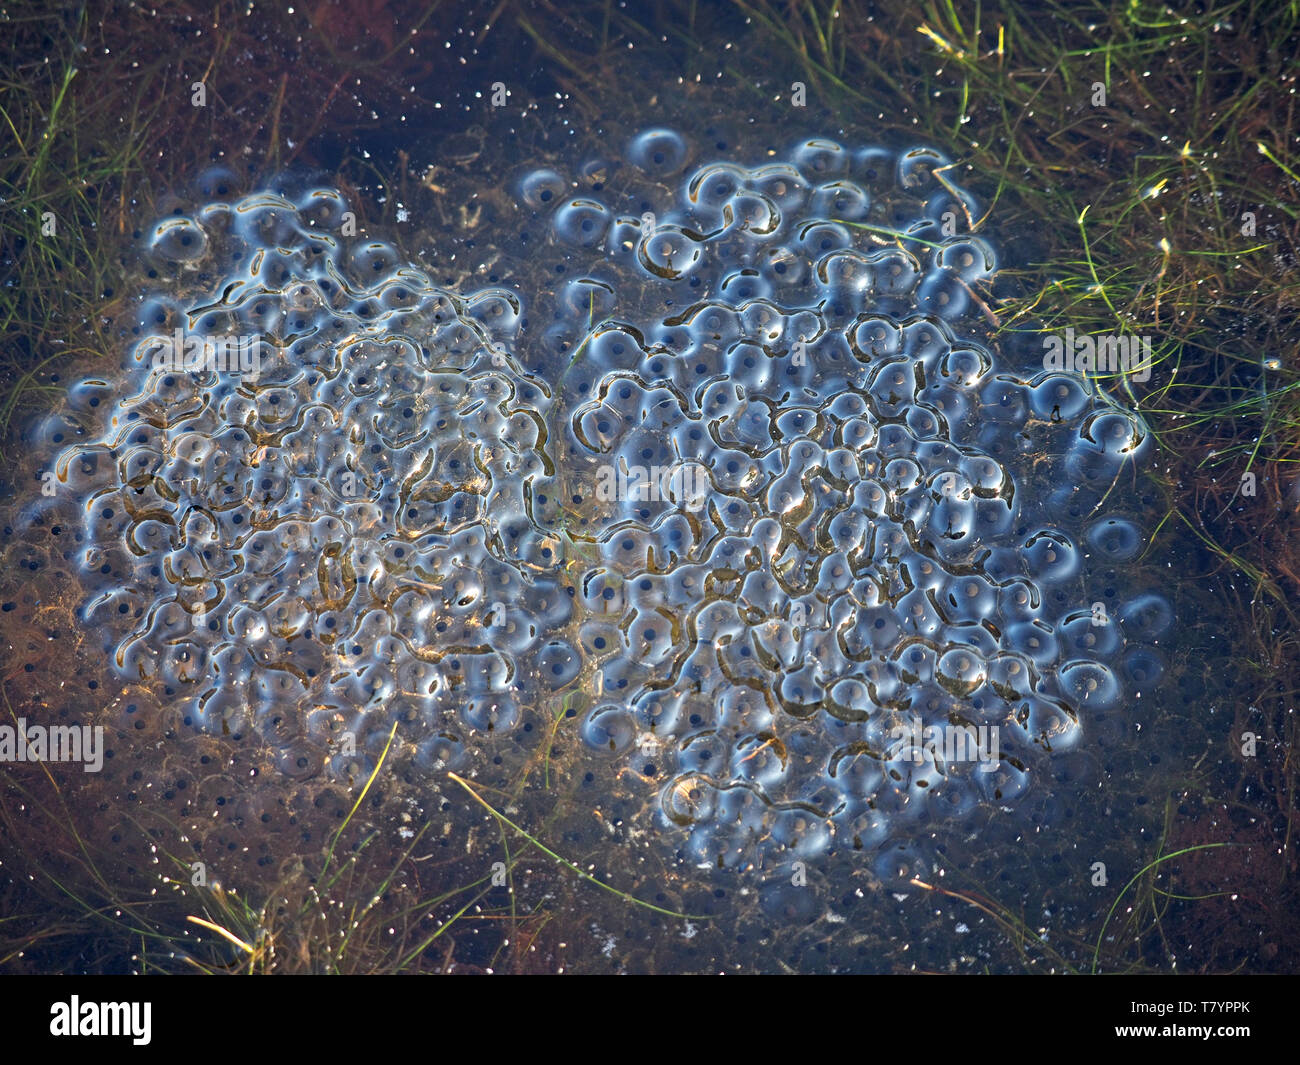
[(666, 483)]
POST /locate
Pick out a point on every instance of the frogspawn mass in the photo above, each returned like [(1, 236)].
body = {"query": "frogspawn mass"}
[(719, 446)]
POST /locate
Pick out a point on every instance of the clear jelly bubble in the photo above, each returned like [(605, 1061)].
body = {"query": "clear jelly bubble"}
[(658, 151)]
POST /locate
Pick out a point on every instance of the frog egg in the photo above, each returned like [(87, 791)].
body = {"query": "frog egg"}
[(1059, 397), (892, 384), (804, 834), (688, 799), (1117, 434), (265, 219), (1147, 617), (944, 293), (491, 713), (178, 240), (1035, 640), (444, 751), (754, 215), (822, 158), (542, 189), (156, 323), (819, 238), (322, 208), (1002, 782), (968, 258), (987, 477), (926, 423), (858, 434), (657, 712), (900, 862), (917, 168), (845, 279), (856, 771), (704, 750), (957, 794), (669, 252), (760, 759), (1050, 556), (498, 310), (1039, 721), (961, 672), (712, 187), (614, 348), (1117, 539), (895, 272), (968, 600), (373, 261), (218, 183), (744, 285), (658, 151), (787, 904), (1011, 676), (841, 200), (1002, 402), (1105, 441), (1084, 632), (967, 367), (1144, 666), (1089, 686), (589, 299), (582, 222)]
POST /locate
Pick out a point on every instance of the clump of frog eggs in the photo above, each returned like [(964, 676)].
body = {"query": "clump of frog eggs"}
[(324, 530), (371, 528), (878, 563)]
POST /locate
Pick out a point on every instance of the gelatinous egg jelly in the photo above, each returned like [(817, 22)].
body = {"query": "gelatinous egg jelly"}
[(330, 494)]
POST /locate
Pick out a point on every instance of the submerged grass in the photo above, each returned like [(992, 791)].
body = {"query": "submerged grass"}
[(361, 909)]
